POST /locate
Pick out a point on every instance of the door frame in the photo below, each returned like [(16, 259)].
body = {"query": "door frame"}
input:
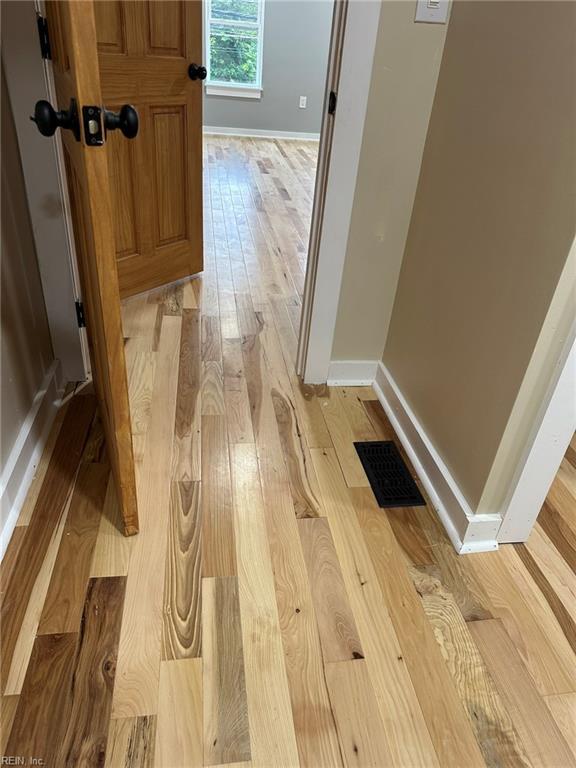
[(352, 48), (28, 78)]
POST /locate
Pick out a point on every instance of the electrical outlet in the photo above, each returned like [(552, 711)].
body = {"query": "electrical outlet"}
[(303, 102), (432, 11)]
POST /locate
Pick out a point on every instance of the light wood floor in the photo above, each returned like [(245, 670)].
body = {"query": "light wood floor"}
[(268, 613)]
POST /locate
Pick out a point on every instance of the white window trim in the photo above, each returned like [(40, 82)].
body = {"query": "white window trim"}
[(231, 89), (239, 90)]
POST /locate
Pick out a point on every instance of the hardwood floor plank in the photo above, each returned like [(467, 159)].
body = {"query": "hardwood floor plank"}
[(44, 704), (140, 648), (555, 569), (458, 576), (50, 504), (449, 727), (272, 734), (550, 663), (212, 389), (410, 536), (359, 421), (86, 730), (302, 478), (313, 719), (8, 705), (559, 532), (64, 602), (542, 738), (112, 549), (141, 369), (10, 557), (138, 318), (218, 548), (236, 398), (404, 727), (29, 627), (131, 742), (189, 294), (336, 625), (560, 611), (563, 708), (182, 632), (186, 462), (343, 439), (179, 725), (362, 737), (211, 342), (226, 731), (495, 733)]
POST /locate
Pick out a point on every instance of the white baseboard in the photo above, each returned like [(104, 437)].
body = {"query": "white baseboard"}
[(352, 373), (468, 532), (26, 452), (262, 133)]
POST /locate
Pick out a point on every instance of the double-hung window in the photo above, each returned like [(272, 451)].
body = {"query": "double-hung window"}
[(234, 32)]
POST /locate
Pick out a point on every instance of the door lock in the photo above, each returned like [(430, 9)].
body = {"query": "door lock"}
[(47, 119), (98, 120), (126, 120)]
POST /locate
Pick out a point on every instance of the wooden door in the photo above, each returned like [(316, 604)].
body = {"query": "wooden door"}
[(144, 50), (73, 40)]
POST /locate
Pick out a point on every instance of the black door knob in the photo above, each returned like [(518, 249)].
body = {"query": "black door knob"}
[(197, 72), (126, 120), (48, 119)]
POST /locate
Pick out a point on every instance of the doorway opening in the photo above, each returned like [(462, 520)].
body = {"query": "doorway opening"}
[(264, 109), (268, 90)]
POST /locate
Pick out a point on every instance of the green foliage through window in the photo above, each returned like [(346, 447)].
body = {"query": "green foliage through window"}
[(234, 45)]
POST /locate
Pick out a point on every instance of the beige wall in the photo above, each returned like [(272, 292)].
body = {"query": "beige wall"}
[(26, 351), (404, 76), (491, 229)]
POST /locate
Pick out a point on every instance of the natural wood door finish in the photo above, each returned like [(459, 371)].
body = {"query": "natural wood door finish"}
[(144, 50), (76, 76)]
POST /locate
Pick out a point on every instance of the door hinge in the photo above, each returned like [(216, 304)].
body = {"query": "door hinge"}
[(44, 37), (80, 314), (332, 99)]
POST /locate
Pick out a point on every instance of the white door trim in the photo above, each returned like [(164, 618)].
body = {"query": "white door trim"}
[(325, 268), (27, 82), (545, 456)]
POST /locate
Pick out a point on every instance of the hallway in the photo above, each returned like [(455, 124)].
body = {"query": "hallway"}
[(269, 613)]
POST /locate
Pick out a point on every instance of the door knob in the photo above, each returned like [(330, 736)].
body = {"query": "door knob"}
[(126, 120), (47, 119), (197, 72)]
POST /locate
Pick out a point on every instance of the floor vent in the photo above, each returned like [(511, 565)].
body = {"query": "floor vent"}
[(389, 477)]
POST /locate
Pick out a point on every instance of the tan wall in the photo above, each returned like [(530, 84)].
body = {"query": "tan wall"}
[(406, 65), (491, 229), (26, 351)]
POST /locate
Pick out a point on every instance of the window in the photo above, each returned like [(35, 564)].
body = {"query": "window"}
[(234, 30)]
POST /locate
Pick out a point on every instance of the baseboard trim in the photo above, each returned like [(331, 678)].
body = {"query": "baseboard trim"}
[(468, 532), (352, 373), (26, 452), (259, 133)]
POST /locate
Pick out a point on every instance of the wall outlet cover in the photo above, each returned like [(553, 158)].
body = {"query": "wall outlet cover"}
[(432, 11)]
